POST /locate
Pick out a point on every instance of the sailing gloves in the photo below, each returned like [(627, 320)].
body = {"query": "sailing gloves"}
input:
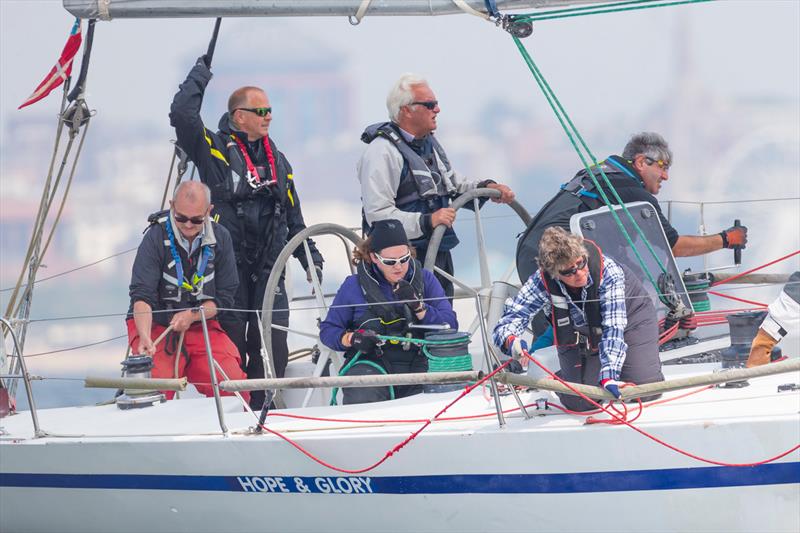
[(734, 236), (366, 341), (404, 291), (515, 347), (318, 268), (203, 60), (761, 349), (613, 386)]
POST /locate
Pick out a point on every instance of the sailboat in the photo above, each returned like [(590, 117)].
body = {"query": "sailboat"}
[(497, 454)]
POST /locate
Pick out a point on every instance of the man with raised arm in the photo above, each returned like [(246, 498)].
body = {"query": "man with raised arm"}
[(185, 262), (406, 175), (255, 198)]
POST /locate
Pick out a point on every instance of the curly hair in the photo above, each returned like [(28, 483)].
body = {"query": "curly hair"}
[(558, 249), (362, 251)]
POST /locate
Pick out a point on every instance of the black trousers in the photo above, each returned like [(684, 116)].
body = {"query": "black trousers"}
[(642, 365), (444, 260), (413, 363), (243, 328)]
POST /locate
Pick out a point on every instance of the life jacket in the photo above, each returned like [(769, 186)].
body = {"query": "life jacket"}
[(386, 317), (566, 332), (186, 280), (255, 216), (576, 196), (426, 182)]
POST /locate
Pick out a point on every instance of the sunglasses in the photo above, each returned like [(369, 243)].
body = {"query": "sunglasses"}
[(260, 111), (183, 219), (392, 262), (431, 105), (661, 163), (574, 270)]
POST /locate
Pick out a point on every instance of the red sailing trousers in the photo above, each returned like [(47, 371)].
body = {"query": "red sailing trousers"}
[(195, 366)]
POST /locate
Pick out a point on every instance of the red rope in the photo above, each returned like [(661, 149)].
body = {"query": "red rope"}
[(729, 297), (728, 280), (396, 448), (653, 437)]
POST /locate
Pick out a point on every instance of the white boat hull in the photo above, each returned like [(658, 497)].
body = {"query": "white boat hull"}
[(547, 473)]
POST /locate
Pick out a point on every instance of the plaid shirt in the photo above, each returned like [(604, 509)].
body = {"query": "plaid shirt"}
[(533, 296)]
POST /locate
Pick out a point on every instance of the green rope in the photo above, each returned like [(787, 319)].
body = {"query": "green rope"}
[(353, 362), (558, 110), (455, 363), (598, 10)]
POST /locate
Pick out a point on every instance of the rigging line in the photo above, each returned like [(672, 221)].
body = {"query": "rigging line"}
[(316, 307), (40, 214), (70, 271), (610, 8), (558, 110), (733, 201), (61, 350)]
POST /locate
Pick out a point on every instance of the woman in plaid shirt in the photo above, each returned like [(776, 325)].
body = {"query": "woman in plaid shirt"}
[(604, 322)]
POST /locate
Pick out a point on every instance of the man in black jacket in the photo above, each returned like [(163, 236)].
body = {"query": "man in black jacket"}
[(185, 262), (637, 177), (255, 198)]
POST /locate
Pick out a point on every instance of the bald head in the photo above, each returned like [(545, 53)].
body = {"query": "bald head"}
[(241, 96), (194, 192)]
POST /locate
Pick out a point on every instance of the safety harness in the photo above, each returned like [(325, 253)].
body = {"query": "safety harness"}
[(566, 332)]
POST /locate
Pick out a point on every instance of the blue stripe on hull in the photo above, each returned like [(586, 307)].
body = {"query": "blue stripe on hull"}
[(619, 481)]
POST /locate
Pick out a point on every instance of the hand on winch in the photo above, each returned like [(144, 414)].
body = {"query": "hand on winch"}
[(366, 341), (146, 346), (735, 236)]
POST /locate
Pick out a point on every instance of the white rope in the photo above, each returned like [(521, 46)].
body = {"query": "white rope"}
[(466, 8)]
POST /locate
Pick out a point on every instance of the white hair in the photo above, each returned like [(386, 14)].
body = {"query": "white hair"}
[(401, 94)]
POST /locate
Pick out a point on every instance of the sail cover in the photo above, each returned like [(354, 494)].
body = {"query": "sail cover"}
[(112, 9)]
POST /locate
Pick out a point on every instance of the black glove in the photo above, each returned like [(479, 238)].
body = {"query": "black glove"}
[(734, 236), (319, 273), (366, 341), (203, 60), (688, 323), (404, 291)]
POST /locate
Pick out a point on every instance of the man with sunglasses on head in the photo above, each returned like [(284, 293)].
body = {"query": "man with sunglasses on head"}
[(604, 322), (255, 198), (637, 177), (406, 175), (185, 262)]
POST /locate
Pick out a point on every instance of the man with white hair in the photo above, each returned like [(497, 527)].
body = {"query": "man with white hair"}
[(636, 177), (406, 175)]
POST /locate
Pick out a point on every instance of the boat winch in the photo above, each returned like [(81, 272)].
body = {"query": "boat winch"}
[(138, 366)]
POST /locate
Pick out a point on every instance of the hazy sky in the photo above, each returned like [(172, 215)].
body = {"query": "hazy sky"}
[(738, 47)]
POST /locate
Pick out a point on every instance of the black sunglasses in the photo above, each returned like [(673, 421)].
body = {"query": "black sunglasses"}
[(431, 105), (574, 270), (183, 219), (260, 111)]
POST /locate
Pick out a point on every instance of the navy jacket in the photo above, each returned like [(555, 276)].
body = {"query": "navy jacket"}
[(260, 222), (345, 312)]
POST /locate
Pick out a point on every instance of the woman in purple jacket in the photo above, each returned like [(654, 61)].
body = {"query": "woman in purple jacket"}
[(389, 292)]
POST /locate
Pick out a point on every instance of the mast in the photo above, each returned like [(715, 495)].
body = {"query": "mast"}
[(113, 9)]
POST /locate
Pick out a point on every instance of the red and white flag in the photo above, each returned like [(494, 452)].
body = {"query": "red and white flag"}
[(62, 68)]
